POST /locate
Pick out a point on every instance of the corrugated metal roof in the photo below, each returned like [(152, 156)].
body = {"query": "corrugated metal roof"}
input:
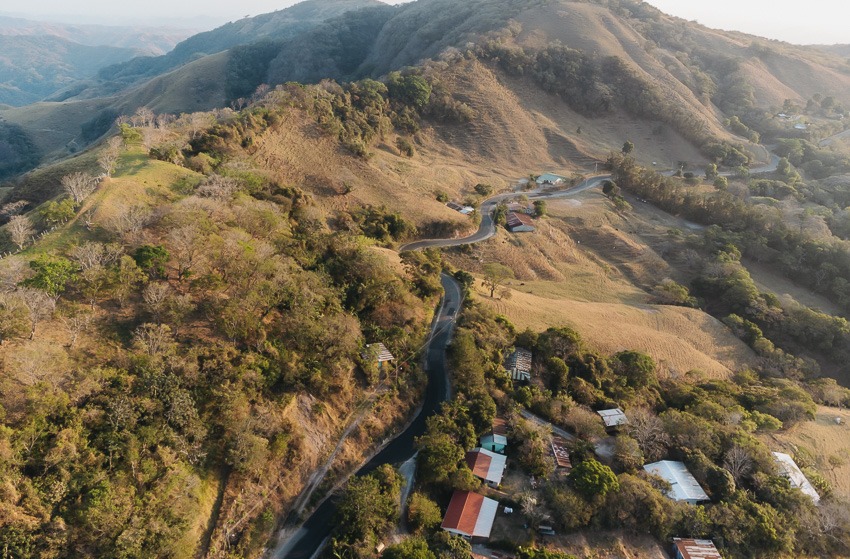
[(500, 426), (798, 480), (518, 219), (614, 417), (560, 452), (381, 351), (550, 178), (696, 549), (683, 485), (494, 438), (486, 465), (470, 514)]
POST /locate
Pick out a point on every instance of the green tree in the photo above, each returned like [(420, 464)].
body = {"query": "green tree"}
[(711, 171), (152, 259), (540, 208), (483, 189), (610, 188), (638, 369), (591, 478), (411, 90), (55, 212), (423, 514), (628, 147), (411, 548), (496, 274), (52, 274)]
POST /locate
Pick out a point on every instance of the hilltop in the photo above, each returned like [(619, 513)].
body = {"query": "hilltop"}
[(691, 78)]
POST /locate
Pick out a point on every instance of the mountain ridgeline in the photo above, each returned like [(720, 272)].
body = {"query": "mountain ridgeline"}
[(601, 57)]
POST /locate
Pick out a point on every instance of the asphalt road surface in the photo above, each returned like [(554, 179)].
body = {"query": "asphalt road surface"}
[(311, 536)]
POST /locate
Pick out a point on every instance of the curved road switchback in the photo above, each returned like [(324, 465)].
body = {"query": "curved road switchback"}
[(487, 228), (309, 539)]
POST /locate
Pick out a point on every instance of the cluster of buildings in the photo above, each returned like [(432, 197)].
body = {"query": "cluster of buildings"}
[(471, 514)]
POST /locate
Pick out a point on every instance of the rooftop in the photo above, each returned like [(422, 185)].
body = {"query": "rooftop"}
[(560, 452), (683, 485), (550, 178), (470, 514), (696, 549), (516, 219), (614, 417), (381, 351), (520, 360), (496, 438), (500, 426), (486, 465), (798, 480)]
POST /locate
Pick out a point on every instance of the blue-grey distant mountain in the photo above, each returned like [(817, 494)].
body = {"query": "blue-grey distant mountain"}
[(279, 25), (149, 40), (35, 67)]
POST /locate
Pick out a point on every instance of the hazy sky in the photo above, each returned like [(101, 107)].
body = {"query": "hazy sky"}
[(795, 21), (799, 21)]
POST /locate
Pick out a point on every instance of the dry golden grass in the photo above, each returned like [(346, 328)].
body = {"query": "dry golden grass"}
[(588, 268), (768, 280), (823, 439)]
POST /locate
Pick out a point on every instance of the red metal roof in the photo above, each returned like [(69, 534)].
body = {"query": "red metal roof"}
[(462, 514), (479, 463), (696, 549), (500, 426)]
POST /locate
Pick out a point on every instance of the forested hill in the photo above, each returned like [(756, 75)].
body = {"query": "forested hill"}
[(282, 24), (599, 57)]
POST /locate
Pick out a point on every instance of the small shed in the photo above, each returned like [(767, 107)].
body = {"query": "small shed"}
[(518, 364), (494, 443), (613, 418), (465, 210), (683, 485), (470, 515), (486, 465), (379, 352), (519, 223), (795, 476), (561, 454), (499, 426), (549, 179), (694, 549)]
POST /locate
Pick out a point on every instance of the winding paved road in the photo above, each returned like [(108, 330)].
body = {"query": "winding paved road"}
[(310, 537), (487, 228)]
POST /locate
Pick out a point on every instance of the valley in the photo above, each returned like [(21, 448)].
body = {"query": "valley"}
[(263, 294)]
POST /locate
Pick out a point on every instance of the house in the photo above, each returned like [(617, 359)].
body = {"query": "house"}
[(465, 210), (613, 418), (494, 442), (694, 549), (486, 465), (548, 179), (470, 515), (519, 223), (500, 426), (379, 352), (561, 455), (518, 364), (798, 480), (515, 207), (683, 485)]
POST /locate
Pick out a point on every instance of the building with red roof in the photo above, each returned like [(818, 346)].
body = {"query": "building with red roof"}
[(486, 465), (470, 515)]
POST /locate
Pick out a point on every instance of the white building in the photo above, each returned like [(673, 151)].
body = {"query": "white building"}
[(470, 515), (486, 465), (613, 418), (683, 485), (798, 480)]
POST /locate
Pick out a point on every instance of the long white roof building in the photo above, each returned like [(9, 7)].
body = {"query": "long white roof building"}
[(683, 485), (789, 469)]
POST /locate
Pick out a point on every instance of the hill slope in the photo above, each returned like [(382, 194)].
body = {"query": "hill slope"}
[(35, 67)]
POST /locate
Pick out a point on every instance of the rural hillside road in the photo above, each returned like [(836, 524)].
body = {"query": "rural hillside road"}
[(307, 540), (488, 227)]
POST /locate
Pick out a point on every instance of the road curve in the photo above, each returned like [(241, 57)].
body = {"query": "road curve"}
[(487, 228), (310, 537)]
